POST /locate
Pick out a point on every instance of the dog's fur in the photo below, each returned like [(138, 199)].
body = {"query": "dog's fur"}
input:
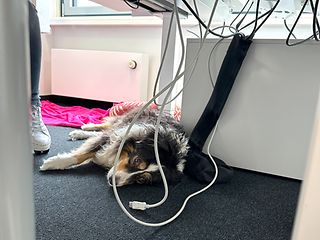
[(137, 163)]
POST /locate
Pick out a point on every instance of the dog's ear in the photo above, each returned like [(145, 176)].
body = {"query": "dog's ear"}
[(165, 143), (130, 144), (164, 140)]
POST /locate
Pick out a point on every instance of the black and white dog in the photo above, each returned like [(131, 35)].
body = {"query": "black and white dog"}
[(137, 163)]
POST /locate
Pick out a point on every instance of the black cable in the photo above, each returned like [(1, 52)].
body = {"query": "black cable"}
[(136, 2), (245, 15), (223, 26), (199, 19), (241, 11), (287, 27), (255, 22), (268, 15), (201, 22), (294, 26), (300, 42), (248, 24), (315, 19)]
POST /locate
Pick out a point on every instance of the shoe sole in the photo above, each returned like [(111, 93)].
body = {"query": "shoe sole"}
[(37, 152)]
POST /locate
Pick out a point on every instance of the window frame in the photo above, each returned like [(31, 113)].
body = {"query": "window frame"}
[(67, 11)]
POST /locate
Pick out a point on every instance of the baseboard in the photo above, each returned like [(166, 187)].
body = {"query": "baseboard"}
[(71, 101)]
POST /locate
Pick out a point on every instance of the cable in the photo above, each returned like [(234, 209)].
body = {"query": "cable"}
[(256, 21), (179, 76), (293, 27), (171, 85), (268, 15), (160, 115), (193, 33), (137, 3), (287, 27), (245, 15), (315, 22), (193, 64), (186, 81), (209, 61), (262, 15), (223, 26), (241, 11), (295, 23), (163, 57), (199, 19), (197, 11), (144, 205)]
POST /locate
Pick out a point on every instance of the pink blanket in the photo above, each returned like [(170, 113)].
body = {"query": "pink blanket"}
[(76, 116)]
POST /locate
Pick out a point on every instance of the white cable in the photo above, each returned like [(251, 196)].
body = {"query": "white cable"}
[(209, 61), (156, 134), (194, 63), (163, 57), (142, 205)]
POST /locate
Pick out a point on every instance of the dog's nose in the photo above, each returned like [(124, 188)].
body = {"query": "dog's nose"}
[(110, 180)]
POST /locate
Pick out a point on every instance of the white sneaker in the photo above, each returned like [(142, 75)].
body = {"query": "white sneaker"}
[(41, 140)]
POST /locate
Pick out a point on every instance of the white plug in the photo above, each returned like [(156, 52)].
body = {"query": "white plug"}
[(138, 205)]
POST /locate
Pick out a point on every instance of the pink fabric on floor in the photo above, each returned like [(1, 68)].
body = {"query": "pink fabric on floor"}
[(76, 116)]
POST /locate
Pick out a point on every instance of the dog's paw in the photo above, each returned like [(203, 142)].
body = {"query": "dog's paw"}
[(58, 162), (49, 164), (89, 127), (78, 135)]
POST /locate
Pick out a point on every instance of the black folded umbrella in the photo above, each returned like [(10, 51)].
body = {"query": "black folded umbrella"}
[(199, 164)]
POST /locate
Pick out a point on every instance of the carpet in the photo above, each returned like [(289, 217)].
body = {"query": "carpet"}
[(79, 204)]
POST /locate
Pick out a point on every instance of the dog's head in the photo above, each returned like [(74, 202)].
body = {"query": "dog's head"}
[(137, 163)]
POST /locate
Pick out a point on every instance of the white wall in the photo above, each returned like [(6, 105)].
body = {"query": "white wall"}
[(140, 39), (45, 75)]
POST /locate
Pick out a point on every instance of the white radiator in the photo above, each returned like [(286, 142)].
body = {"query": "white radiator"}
[(99, 75)]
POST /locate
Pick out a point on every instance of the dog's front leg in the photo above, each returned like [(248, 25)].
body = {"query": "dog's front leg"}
[(60, 161)]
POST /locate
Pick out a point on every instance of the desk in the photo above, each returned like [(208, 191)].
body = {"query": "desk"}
[(267, 122)]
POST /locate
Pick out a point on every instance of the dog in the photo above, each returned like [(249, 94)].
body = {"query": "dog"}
[(137, 162)]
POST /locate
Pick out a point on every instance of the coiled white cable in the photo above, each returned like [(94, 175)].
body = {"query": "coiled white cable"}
[(170, 86)]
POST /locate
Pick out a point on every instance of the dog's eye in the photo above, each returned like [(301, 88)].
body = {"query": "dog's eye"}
[(135, 162)]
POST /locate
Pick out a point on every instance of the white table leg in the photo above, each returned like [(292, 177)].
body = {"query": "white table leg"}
[(16, 192)]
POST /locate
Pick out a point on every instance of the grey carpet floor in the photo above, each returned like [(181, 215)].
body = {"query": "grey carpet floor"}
[(79, 204)]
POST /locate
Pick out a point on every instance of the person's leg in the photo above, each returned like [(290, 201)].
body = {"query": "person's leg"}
[(41, 139), (35, 53)]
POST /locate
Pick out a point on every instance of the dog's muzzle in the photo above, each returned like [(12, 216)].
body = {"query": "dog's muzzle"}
[(121, 178)]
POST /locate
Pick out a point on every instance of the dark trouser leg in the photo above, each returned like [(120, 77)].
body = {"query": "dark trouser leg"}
[(35, 53)]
